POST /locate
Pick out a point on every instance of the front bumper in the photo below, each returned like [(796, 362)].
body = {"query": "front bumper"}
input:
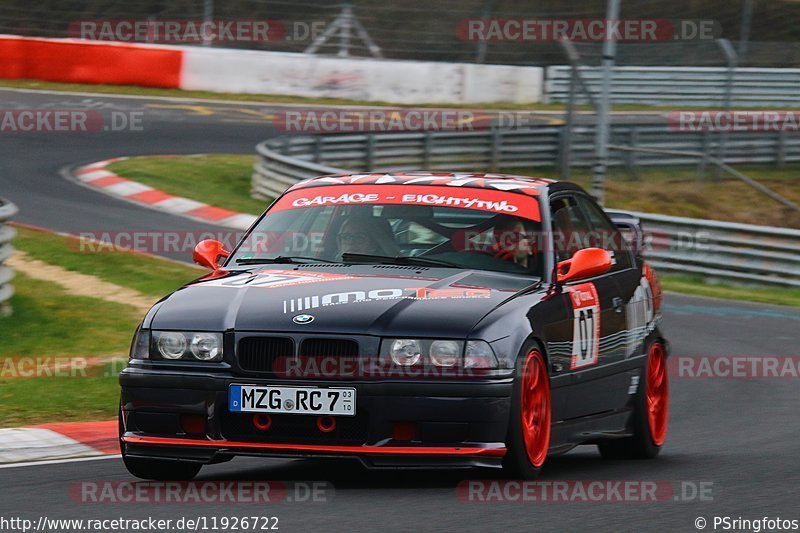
[(420, 423)]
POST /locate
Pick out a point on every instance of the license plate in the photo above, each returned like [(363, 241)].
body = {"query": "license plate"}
[(292, 400)]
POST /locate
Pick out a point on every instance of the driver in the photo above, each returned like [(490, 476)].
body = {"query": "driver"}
[(512, 241), (362, 234)]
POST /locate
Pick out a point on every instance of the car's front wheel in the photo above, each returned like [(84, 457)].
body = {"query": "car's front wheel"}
[(529, 426), (650, 412), (156, 469)]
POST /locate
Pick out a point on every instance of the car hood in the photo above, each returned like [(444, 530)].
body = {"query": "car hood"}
[(359, 299)]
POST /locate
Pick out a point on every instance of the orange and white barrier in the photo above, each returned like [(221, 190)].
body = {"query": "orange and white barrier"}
[(258, 72), (74, 61)]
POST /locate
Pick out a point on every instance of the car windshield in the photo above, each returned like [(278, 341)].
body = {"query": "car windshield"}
[(426, 226)]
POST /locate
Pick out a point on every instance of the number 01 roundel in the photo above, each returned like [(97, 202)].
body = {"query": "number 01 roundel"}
[(585, 324)]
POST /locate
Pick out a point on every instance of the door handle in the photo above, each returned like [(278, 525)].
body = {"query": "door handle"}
[(616, 301)]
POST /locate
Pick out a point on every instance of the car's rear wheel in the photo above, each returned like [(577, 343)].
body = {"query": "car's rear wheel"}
[(529, 426), (650, 414), (157, 469)]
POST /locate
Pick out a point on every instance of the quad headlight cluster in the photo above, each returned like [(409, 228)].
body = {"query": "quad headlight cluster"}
[(175, 345), (439, 353)]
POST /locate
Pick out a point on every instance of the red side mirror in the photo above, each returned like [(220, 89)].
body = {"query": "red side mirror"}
[(210, 253), (584, 264)]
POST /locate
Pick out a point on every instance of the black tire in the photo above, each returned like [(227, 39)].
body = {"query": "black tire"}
[(155, 469), (517, 463), (641, 445)]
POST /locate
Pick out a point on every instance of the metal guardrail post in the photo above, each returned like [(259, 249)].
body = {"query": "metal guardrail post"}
[(369, 156), (497, 146), (7, 233), (631, 161), (732, 58), (780, 149), (427, 150), (318, 148), (703, 162)]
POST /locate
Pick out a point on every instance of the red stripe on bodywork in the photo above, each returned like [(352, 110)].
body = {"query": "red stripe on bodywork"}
[(317, 448)]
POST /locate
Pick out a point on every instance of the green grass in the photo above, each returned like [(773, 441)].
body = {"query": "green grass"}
[(48, 321), (695, 285), (679, 192), (149, 275), (64, 399), (219, 180)]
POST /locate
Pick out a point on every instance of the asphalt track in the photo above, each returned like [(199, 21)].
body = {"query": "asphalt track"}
[(738, 434)]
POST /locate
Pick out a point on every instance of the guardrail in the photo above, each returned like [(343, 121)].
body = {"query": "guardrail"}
[(722, 250), (288, 159), (682, 86), (729, 251), (7, 210)]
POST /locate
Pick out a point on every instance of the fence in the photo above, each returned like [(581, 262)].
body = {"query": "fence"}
[(682, 86), (7, 210)]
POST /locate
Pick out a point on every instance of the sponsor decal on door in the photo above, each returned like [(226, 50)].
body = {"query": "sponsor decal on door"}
[(586, 325)]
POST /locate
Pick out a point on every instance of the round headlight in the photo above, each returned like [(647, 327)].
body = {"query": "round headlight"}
[(171, 345), (445, 353), (406, 352), (206, 346)]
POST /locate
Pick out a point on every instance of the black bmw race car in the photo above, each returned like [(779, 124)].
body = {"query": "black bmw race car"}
[(433, 320)]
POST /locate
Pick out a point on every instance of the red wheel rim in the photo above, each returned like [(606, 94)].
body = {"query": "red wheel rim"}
[(657, 393), (535, 408)]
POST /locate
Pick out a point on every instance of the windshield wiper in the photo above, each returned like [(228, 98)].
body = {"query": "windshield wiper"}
[(398, 260), (281, 260)]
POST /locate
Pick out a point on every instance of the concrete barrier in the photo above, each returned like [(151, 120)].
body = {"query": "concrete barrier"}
[(258, 72)]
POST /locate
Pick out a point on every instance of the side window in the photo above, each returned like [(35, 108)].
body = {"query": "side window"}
[(605, 234), (570, 227)]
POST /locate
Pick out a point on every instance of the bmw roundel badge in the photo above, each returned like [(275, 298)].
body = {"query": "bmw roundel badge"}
[(303, 319)]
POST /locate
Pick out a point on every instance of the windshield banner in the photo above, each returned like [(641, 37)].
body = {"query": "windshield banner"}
[(493, 201)]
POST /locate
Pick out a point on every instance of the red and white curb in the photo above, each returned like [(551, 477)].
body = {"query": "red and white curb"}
[(96, 175), (68, 440)]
